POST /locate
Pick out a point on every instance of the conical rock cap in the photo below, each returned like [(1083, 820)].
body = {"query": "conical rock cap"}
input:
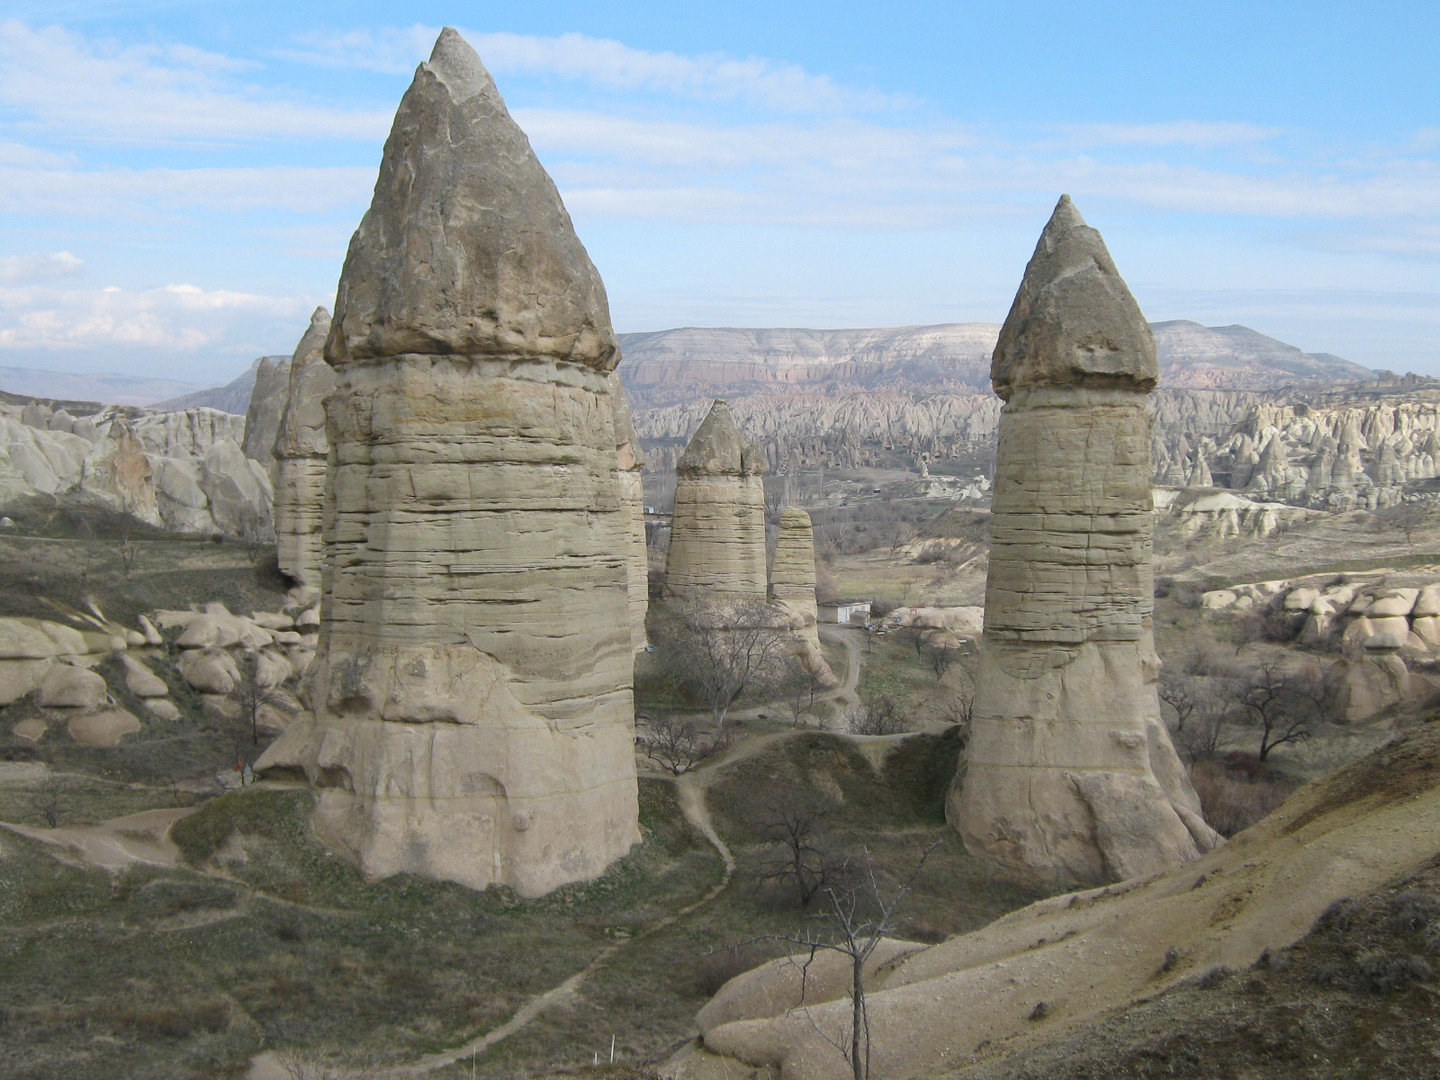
[(466, 248), (1073, 320), (718, 449), (302, 425), (312, 342)]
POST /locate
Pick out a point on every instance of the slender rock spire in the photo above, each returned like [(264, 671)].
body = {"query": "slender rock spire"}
[(1070, 772)]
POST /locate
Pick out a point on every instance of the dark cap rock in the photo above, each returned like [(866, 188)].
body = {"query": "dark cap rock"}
[(466, 249), (1073, 321), (718, 449)]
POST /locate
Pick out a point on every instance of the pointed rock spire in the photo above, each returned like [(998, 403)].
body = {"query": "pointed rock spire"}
[(466, 249), (1073, 320), (717, 448), (1069, 771)]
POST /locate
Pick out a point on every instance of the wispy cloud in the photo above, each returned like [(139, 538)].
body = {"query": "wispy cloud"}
[(1191, 133), (176, 317), (63, 84), (39, 266), (128, 193), (608, 64)]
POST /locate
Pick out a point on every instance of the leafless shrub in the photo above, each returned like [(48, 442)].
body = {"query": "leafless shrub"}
[(1232, 802), (678, 744), (959, 710), (878, 717), (49, 799), (940, 658), (721, 651)]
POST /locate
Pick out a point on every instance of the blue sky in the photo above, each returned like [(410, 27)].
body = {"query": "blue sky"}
[(178, 181)]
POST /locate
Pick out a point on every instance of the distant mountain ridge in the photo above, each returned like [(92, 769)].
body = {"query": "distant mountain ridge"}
[(109, 387), (672, 367)]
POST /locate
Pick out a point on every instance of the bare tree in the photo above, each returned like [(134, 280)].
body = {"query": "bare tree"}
[(722, 650), (959, 710), (1180, 695), (1407, 517), (794, 822), (1285, 705), (49, 798), (940, 658), (1206, 733), (898, 534), (252, 695), (676, 744), (801, 684), (856, 913), (878, 717)]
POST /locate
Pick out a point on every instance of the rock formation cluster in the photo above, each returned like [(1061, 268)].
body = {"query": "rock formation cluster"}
[(300, 450), (1070, 772), (473, 716), (1379, 625), (1336, 450), (56, 663), (184, 471), (717, 534)]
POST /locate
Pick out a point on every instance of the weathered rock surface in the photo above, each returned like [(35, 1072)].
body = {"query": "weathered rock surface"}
[(66, 686), (472, 690), (631, 464), (267, 405), (300, 450), (1070, 772), (210, 671), (717, 534), (792, 586), (102, 726), (185, 471), (141, 681)]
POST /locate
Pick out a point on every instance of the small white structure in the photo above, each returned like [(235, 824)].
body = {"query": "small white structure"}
[(845, 611)]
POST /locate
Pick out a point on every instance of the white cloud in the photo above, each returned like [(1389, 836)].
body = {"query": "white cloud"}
[(1194, 133), (175, 317), (66, 85), (609, 64), (39, 266), (845, 144), (126, 193)]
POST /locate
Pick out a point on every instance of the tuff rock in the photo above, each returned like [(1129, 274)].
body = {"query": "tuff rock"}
[(717, 533), (471, 696), (1071, 774), (300, 450)]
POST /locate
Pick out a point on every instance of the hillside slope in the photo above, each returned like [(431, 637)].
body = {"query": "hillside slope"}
[(1054, 969)]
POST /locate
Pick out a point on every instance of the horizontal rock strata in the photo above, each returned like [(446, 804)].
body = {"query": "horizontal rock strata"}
[(1070, 773), (471, 692)]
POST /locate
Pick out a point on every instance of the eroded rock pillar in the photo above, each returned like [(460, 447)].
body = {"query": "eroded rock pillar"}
[(472, 687), (1070, 771)]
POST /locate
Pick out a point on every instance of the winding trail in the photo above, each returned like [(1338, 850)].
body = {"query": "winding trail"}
[(690, 790), (691, 796)]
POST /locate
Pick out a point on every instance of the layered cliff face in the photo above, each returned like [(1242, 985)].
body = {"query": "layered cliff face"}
[(675, 367), (472, 686), (301, 447), (717, 534), (1070, 772)]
